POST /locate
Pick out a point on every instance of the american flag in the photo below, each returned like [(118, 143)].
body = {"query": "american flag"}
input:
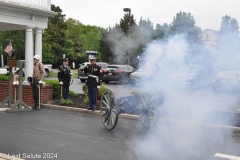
[(9, 48)]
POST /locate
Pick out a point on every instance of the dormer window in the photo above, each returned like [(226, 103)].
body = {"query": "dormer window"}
[(207, 37)]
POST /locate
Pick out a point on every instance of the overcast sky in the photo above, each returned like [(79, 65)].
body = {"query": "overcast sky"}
[(105, 13)]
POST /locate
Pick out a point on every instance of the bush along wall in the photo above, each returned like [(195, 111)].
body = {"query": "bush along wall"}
[(100, 92), (27, 96), (48, 91)]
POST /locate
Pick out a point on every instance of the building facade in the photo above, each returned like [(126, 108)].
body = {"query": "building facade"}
[(31, 16)]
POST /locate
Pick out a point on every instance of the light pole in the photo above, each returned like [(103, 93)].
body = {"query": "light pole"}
[(138, 57), (129, 24)]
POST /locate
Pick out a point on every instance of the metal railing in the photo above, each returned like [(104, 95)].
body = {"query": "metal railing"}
[(41, 4)]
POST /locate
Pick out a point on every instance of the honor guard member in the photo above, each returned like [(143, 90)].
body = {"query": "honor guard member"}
[(64, 77), (94, 80), (37, 78)]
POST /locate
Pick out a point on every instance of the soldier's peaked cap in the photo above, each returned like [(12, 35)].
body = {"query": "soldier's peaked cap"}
[(65, 59), (92, 57)]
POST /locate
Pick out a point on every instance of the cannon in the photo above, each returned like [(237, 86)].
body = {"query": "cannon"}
[(144, 103)]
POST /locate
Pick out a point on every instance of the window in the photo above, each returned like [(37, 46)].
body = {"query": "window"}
[(207, 37)]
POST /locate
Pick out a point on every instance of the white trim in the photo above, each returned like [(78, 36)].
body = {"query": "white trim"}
[(43, 4)]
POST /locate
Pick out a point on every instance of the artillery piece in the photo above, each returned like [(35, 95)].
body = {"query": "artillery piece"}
[(146, 103)]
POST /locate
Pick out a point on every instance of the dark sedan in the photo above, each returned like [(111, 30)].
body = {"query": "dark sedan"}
[(82, 76), (226, 81), (117, 72)]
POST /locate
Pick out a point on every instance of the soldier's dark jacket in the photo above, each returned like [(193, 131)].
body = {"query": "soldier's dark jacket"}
[(64, 75), (93, 70)]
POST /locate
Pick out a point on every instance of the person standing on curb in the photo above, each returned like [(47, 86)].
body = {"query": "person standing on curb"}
[(37, 79), (94, 80), (64, 78)]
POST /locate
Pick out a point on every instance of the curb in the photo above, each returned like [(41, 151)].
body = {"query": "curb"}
[(81, 110), (236, 130)]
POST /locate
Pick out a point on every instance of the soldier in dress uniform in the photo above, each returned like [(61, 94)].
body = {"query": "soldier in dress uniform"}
[(94, 80), (64, 77)]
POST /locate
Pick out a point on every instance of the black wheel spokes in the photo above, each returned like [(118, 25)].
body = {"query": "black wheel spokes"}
[(148, 102), (108, 110)]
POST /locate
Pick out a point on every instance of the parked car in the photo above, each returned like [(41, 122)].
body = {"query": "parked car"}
[(3, 71), (189, 77), (116, 72), (82, 76), (47, 67), (226, 81), (148, 74)]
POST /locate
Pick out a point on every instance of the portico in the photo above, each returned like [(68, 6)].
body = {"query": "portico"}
[(31, 16)]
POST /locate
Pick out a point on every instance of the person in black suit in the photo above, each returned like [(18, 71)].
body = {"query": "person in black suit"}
[(64, 77)]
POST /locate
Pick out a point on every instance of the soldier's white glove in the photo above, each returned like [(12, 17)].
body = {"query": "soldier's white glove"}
[(98, 87), (40, 82), (71, 73), (61, 83)]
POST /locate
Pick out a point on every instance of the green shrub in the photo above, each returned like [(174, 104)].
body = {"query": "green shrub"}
[(85, 89), (100, 92), (4, 78), (86, 100), (56, 87), (72, 93), (54, 83), (66, 101)]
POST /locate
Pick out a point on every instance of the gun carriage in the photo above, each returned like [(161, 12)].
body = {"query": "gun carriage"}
[(145, 103)]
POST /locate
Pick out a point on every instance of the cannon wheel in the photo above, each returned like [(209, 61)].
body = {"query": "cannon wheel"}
[(148, 114), (109, 110)]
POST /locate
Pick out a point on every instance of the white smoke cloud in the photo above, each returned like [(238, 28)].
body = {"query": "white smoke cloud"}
[(175, 140)]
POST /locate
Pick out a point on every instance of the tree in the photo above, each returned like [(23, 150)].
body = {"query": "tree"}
[(91, 37), (17, 37), (228, 43), (105, 47), (184, 23), (126, 23), (74, 39), (55, 35), (161, 31)]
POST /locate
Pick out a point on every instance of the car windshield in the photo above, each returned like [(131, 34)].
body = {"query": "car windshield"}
[(229, 74), (102, 65), (83, 65), (113, 67), (146, 68)]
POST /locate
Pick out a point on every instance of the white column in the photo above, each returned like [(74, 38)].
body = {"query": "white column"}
[(38, 43), (28, 54)]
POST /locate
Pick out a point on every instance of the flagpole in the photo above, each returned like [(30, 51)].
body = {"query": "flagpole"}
[(2, 57)]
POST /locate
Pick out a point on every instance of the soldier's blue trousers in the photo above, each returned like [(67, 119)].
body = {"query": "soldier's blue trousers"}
[(65, 91), (92, 93)]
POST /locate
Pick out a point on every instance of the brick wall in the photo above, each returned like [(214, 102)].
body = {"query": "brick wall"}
[(27, 97)]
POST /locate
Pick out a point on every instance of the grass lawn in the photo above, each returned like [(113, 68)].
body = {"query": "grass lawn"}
[(54, 73)]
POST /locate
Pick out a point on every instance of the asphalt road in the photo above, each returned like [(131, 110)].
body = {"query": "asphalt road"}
[(77, 136)]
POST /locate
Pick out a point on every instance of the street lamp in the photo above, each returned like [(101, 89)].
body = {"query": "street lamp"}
[(138, 57), (129, 24)]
